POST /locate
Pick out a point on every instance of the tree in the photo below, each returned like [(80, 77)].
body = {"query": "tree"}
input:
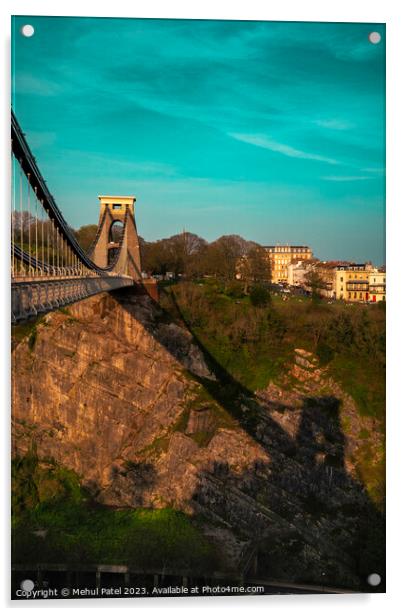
[(184, 249), (22, 223), (179, 254), (315, 284), (259, 296), (155, 257), (255, 267), (222, 257), (195, 267), (85, 235)]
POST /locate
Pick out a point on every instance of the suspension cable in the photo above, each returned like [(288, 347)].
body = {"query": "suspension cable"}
[(57, 250), (29, 224), (13, 215), (53, 244), (21, 223), (48, 240), (36, 229), (43, 237)]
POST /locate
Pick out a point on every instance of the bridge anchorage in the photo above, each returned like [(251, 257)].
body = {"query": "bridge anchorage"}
[(49, 269)]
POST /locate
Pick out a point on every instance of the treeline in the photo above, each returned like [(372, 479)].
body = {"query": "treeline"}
[(185, 255), (190, 256)]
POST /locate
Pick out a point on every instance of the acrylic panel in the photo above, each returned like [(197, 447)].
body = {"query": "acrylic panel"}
[(198, 307)]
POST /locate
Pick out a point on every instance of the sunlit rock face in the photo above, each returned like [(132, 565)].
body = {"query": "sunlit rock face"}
[(112, 389), (106, 390)]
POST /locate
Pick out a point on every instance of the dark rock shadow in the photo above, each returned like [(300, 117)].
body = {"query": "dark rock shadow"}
[(131, 483), (303, 516)]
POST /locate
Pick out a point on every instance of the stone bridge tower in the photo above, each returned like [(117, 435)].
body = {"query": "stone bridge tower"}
[(117, 231)]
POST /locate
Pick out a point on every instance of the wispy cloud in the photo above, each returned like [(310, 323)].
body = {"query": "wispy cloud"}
[(374, 170), (114, 167), (28, 84), (262, 141), (335, 124), (346, 178)]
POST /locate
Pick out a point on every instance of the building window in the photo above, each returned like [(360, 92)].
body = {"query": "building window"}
[(341, 278), (117, 206)]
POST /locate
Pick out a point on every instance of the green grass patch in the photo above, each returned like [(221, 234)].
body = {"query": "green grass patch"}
[(181, 423), (49, 501), (158, 446), (364, 381), (370, 464)]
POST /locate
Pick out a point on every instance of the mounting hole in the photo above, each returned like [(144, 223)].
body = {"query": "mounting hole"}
[(27, 30), (374, 579), (27, 585), (374, 37)]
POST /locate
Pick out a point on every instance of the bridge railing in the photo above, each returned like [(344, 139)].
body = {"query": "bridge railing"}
[(48, 266), (42, 242)]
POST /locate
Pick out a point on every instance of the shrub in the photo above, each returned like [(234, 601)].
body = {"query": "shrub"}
[(259, 296), (325, 353), (234, 289)]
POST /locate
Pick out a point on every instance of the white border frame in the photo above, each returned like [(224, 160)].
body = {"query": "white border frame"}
[(388, 11)]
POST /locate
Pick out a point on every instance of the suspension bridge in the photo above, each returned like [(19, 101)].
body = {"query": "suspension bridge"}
[(49, 268)]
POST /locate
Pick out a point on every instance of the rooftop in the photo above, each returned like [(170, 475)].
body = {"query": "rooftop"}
[(288, 248), (116, 197)]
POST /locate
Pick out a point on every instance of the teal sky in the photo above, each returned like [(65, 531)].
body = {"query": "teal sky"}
[(274, 131)]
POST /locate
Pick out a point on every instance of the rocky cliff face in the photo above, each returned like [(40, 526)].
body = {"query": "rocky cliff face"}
[(114, 391)]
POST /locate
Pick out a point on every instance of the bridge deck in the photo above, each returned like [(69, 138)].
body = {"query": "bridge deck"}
[(35, 295)]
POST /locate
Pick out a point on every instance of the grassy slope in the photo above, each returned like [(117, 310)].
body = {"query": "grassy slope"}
[(254, 345)]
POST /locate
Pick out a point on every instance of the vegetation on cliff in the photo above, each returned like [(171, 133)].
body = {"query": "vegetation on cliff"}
[(56, 521), (253, 343), (254, 340)]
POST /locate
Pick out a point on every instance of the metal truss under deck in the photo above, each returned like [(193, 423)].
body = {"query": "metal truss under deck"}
[(30, 298)]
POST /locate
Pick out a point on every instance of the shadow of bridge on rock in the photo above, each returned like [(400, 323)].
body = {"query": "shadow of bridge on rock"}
[(303, 514)]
